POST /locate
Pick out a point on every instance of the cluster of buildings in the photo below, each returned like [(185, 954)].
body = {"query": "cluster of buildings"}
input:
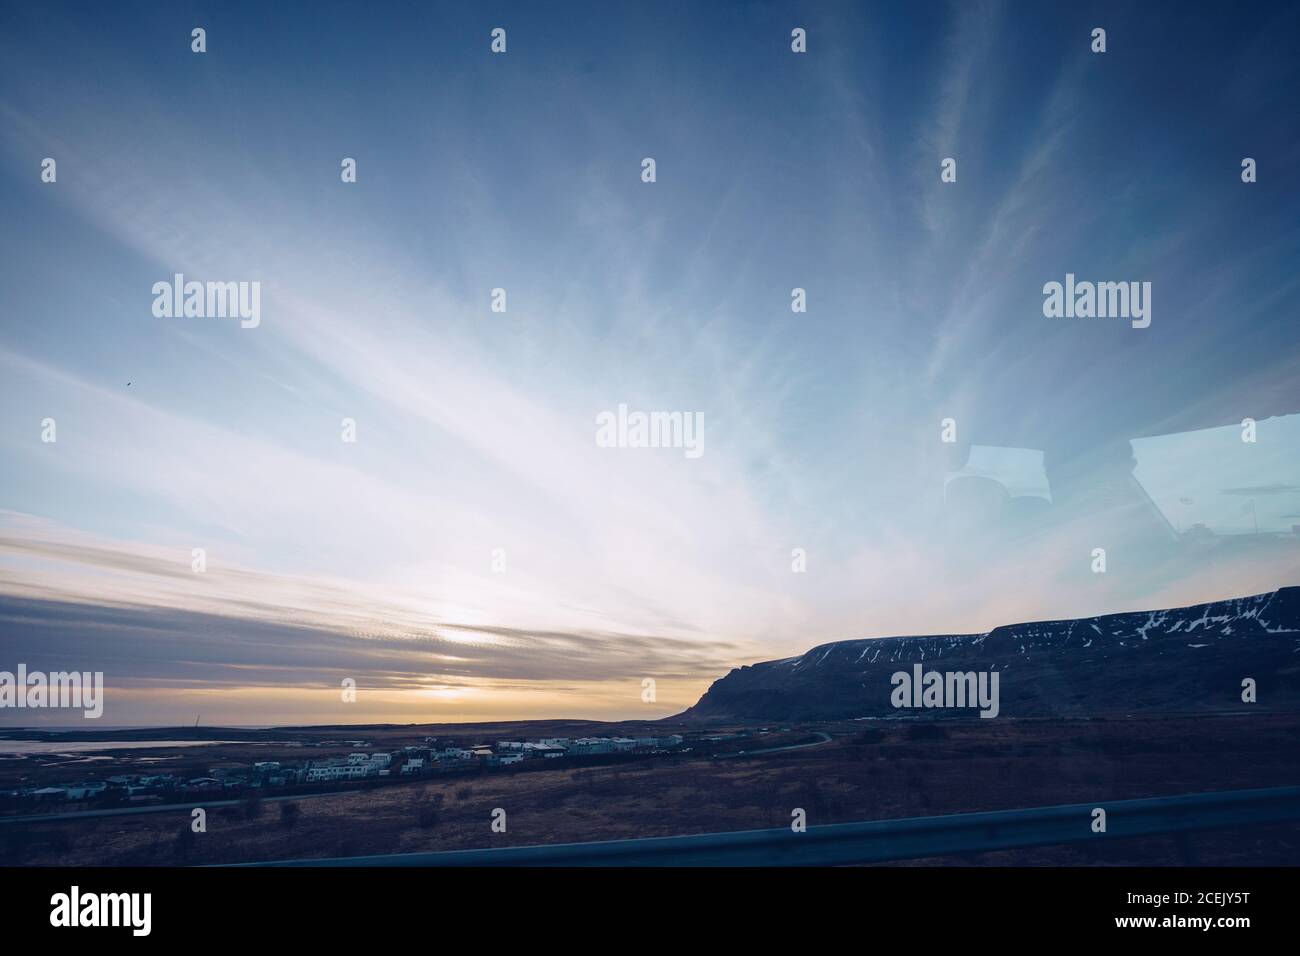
[(352, 767), (434, 756), (123, 785), (505, 752)]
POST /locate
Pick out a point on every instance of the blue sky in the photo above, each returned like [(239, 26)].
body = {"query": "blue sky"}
[(475, 429)]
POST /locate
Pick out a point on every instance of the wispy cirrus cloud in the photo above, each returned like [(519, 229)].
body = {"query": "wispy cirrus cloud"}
[(476, 428)]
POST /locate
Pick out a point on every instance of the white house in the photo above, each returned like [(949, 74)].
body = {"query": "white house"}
[(80, 791), (343, 771), (453, 754), (592, 745)]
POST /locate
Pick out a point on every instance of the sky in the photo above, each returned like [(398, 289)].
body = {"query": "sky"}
[(475, 553)]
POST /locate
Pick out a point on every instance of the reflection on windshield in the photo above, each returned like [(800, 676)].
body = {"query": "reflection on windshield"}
[(1212, 482)]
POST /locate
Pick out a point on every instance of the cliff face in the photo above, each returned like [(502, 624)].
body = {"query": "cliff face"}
[(1177, 661)]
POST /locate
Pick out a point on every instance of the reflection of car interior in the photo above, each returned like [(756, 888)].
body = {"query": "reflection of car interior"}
[(1183, 487), (1009, 491), (997, 487), (1230, 480)]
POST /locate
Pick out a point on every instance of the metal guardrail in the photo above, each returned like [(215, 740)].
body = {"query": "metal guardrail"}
[(884, 840)]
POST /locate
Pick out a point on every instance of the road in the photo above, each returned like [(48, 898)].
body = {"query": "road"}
[(825, 739)]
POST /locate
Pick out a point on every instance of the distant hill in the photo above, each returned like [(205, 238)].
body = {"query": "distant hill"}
[(1177, 661)]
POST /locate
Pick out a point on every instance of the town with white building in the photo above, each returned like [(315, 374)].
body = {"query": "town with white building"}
[(435, 756)]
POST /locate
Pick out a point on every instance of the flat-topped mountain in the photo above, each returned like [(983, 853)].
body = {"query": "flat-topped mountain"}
[(1176, 661)]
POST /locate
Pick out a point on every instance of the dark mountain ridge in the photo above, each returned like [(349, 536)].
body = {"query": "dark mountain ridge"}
[(1174, 661)]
